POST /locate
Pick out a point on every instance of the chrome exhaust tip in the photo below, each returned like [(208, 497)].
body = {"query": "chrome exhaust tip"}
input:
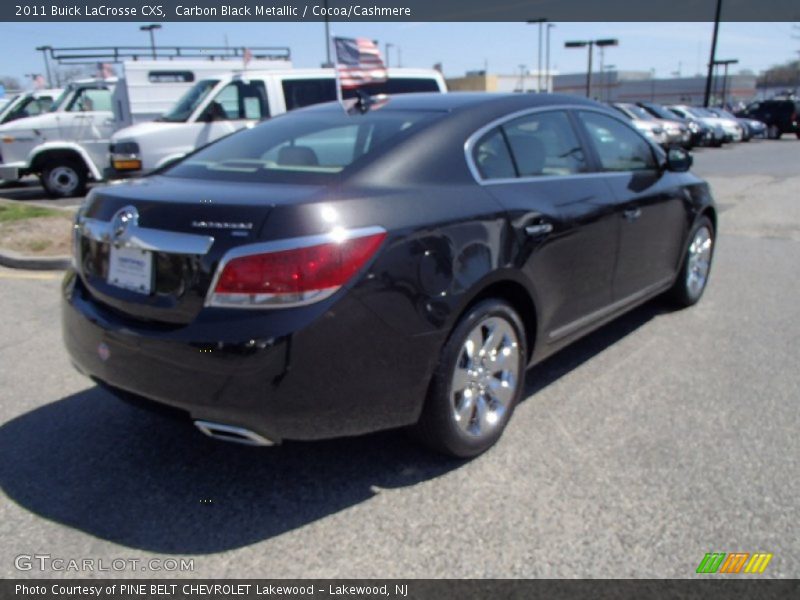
[(229, 433)]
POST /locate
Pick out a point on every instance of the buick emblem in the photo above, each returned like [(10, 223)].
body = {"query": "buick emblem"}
[(122, 221), (103, 351)]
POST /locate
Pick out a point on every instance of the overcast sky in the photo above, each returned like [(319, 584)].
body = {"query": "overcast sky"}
[(665, 47)]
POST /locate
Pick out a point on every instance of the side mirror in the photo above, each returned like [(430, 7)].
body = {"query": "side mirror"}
[(678, 160)]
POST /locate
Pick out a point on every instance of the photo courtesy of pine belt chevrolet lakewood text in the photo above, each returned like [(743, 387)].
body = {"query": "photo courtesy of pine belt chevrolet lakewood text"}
[(329, 274)]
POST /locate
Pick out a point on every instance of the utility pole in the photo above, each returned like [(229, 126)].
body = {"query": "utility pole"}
[(538, 22), (327, 37), (711, 60)]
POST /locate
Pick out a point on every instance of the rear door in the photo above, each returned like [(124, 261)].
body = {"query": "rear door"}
[(537, 168), (650, 205)]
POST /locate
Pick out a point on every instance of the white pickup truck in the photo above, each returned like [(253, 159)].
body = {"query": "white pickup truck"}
[(28, 104), (218, 106), (69, 145)]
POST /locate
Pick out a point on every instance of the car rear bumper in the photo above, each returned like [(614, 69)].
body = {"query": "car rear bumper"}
[(345, 372)]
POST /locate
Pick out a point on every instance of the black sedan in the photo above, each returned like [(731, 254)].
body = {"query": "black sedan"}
[(328, 274)]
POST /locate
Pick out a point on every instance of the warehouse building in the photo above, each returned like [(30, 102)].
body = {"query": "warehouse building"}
[(615, 86)]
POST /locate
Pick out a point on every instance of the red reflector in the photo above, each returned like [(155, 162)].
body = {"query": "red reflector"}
[(299, 270)]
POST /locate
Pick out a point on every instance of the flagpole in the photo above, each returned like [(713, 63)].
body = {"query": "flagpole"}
[(339, 96)]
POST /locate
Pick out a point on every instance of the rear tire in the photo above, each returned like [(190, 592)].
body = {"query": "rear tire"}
[(64, 178), (478, 382), (696, 266)]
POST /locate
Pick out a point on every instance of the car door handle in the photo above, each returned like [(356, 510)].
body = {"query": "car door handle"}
[(539, 229), (632, 213)]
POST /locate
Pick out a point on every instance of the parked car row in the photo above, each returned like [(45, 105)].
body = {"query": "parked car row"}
[(690, 126)]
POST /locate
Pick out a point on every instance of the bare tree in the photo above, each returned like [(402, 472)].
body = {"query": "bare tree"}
[(10, 83)]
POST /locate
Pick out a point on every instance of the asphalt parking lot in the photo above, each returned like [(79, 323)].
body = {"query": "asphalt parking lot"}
[(660, 437)]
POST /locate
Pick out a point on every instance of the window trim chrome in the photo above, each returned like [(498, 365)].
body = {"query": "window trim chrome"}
[(472, 140), (335, 235)]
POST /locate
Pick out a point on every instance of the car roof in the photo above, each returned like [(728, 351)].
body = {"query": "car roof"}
[(455, 101)]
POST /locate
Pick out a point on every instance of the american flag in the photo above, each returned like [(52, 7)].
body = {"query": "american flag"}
[(358, 62)]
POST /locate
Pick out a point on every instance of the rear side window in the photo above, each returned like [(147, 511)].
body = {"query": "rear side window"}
[(536, 145), (545, 144), (238, 100), (619, 147), (305, 92), (405, 85)]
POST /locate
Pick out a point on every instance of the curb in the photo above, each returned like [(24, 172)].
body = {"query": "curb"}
[(14, 260)]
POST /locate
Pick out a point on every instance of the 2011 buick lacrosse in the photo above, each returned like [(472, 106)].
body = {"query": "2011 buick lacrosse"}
[(328, 274)]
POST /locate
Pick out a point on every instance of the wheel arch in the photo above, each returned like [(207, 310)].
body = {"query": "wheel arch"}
[(711, 213), (43, 155), (518, 296)]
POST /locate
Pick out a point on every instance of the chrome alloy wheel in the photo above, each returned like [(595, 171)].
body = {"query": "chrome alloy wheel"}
[(63, 179), (486, 376), (699, 261)]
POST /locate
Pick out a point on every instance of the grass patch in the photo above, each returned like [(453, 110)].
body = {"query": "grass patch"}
[(18, 212)]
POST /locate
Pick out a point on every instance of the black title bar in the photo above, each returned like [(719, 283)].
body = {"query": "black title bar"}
[(395, 10)]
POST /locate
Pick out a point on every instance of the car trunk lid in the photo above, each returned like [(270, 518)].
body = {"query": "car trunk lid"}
[(148, 249)]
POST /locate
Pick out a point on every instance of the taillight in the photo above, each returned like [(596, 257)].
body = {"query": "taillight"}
[(292, 272)]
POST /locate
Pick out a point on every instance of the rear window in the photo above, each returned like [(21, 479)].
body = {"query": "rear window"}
[(307, 148)]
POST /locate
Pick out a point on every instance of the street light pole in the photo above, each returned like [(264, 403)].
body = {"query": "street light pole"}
[(725, 64), (590, 44), (387, 45), (151, 28), (44, 50)]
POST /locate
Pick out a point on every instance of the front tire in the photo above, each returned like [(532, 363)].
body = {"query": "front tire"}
[(64, 179), (478, 383), (774, 132), (696, 267)]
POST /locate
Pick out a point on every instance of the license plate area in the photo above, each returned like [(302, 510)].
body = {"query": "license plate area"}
[(131, 269)]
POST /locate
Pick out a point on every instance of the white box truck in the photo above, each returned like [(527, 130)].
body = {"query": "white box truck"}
[(69, 145)]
